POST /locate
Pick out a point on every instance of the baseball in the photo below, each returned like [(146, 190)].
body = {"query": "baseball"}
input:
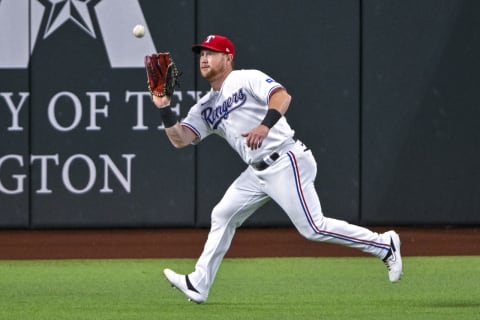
[(139, 31)]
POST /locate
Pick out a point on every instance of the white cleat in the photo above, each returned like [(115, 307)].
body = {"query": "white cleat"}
[(393, 260), (182, 283)]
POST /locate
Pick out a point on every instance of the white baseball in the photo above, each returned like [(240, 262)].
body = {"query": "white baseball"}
[(139, 31)]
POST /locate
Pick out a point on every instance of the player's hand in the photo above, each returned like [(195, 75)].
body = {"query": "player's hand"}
[(161, 102), (256, 136)]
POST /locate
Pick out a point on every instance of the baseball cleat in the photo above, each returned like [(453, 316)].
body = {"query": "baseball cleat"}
[(182, 283), (393, 260)]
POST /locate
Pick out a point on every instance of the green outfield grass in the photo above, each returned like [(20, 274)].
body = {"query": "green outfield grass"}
[(266, 288)]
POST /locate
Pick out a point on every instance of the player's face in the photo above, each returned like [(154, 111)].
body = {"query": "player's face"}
[(214, 65)]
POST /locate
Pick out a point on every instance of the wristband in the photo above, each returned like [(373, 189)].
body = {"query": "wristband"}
[(169, 118), (272, 116)]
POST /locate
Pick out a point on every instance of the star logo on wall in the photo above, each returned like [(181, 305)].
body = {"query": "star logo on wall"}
[(77, 11)]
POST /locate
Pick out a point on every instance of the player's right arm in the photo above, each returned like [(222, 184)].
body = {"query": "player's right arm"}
[(178, 135)]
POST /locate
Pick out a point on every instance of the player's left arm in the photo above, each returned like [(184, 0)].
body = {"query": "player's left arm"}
[(277, 106), (279, 100)]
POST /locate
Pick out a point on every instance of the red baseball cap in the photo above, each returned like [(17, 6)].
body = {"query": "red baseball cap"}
[(217, 43)]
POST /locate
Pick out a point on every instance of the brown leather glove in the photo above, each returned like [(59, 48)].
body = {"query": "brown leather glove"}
[(162, 74)]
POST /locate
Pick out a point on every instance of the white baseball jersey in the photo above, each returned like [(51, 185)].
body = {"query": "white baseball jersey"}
[(216, 113)]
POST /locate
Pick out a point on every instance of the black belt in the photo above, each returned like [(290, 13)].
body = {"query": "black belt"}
[(264, 164)]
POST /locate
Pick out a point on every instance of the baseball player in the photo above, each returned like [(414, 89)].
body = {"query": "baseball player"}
[(246, 108)]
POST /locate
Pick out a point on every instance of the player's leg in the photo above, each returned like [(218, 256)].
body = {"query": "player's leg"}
[(241, 199), (295, 172), (299, 199)]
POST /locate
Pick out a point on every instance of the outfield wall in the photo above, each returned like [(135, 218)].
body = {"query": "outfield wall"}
[(384, 93)]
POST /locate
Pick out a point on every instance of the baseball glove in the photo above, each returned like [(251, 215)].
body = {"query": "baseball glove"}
[(162, 74)]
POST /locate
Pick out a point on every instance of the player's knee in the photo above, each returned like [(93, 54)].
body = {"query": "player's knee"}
[(220, 216), (307, 234), (225, 217)]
